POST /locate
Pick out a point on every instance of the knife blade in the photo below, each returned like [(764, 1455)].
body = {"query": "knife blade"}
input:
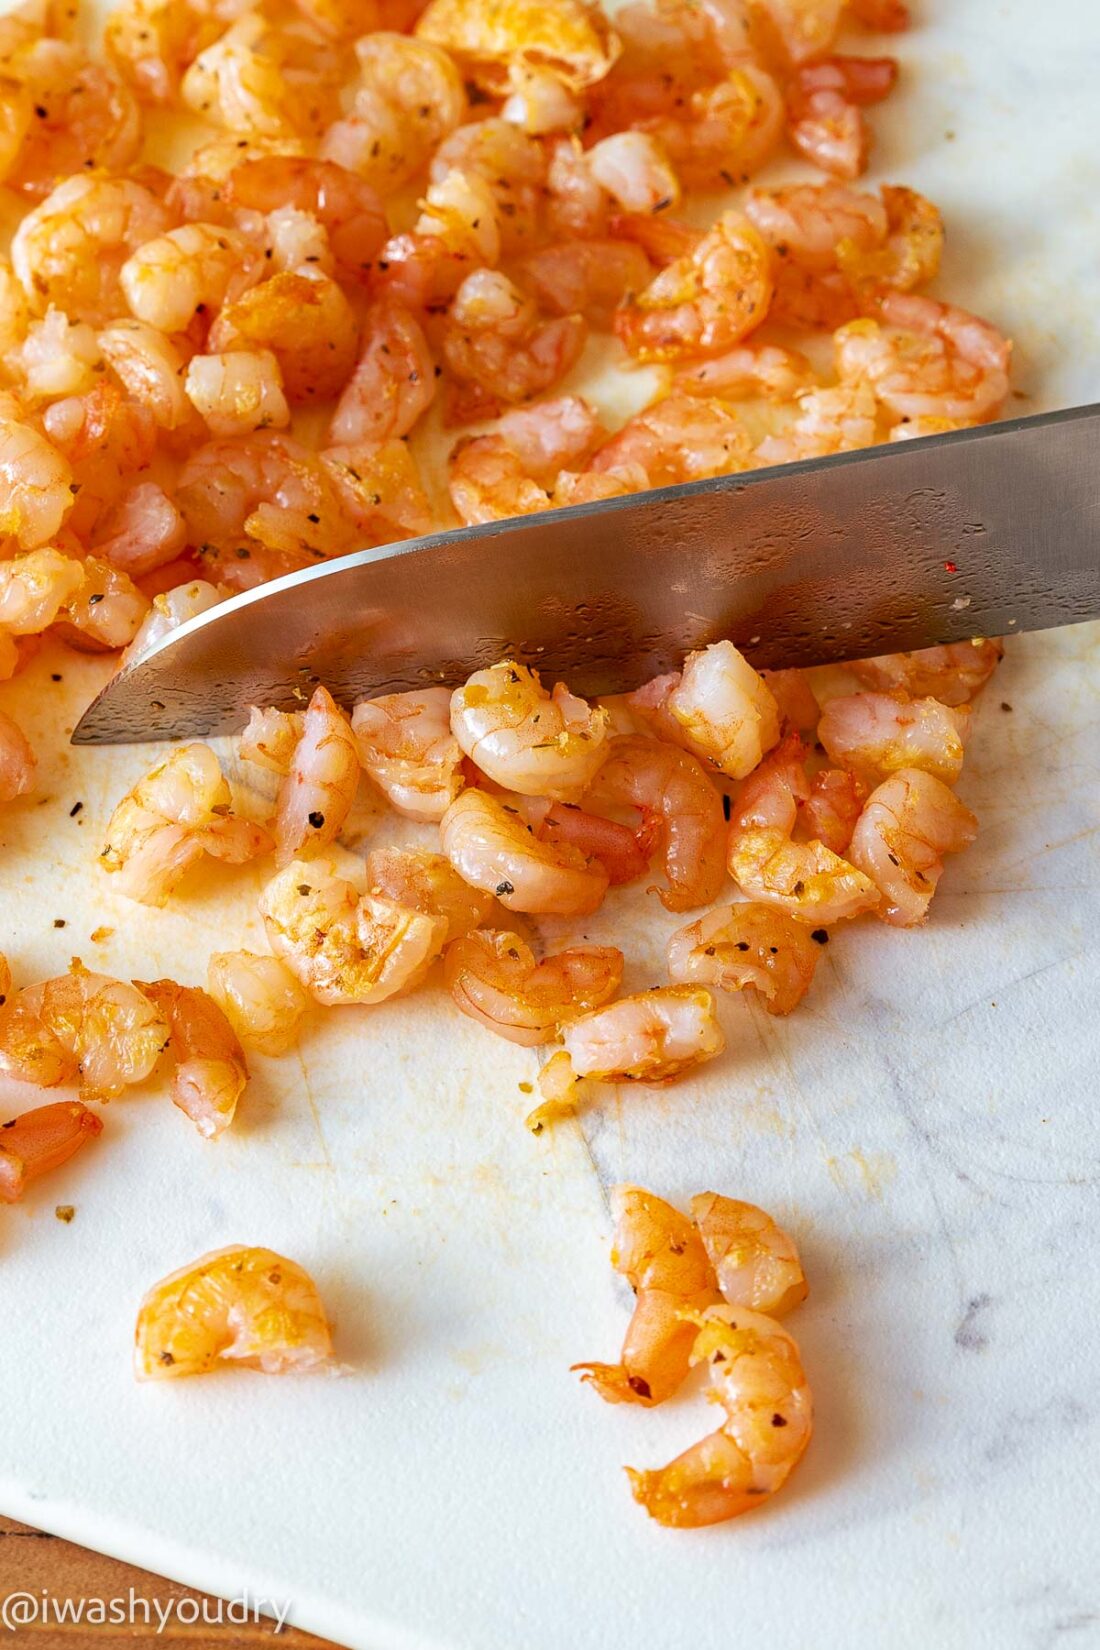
[(980, 532)]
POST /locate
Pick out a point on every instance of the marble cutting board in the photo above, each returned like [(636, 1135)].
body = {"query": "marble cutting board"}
[(926, 1126)]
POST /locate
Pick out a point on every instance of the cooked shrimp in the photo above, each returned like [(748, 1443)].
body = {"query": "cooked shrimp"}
[(671, 788), (539, 102), (810, 223), (875, 734), (264, 79), (380, 490), (801, 29), (85, 116), (805, 879), (458, 230), (705, 302), (306, 323), (825, 110), (729, 128), (34, 588), (910, 253), (576, 205), (410, 96), (494, 338), (56, 357), (237, 393), (748, 370), (929, 360), (526, 739), (265, 487), (343, 948), (510, 164), (724, 710), (635, 171), (17, 760), (71, 249), (346, 206), (517, 471), (41, 1140), (83, 1026), (210, 1066), (953, 674), (142, 532), (680, 438), (623, 853), (653, 1037), (748, 946), (247, 1305), (793, 694), (830, 811), (887, 16), (178, 811), (107, 610), (907, 825), (407, 747), (773, 792), (568, 36), (171, 609), (319, 789), (489, 845), (756, 1262), (659, 1252), (186, 272), (150, 368), (393, 382), (585, 277), (759, 1382), (34, 485), (260, 998), (271, 738), (106, 440), (494, 978), (428, 882), (836, 420)]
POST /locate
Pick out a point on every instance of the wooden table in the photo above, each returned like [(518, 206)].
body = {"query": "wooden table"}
[(31, 1561)]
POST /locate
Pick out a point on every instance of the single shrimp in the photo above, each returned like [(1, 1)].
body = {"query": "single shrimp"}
[(304, 320), (271, 738), (576, 205), (928, 360), (720, 709), (106, 440), (659, 1253), (428, 882), (489, 846), (35, 481), (85, 116), (56, 357), (265, 488), (494, 978), (70, 251), (85, 1026), (747, 371), (106, 612), (407, 747), (343, 203), (142, 532), (41, 1140), (169, 610), (623, 853), (750, 946), (875, 734), (510, 164), (150, 368), (953, 674), (671, 789), (830, 811), (342, 947), (755, 1261), (729, 129), (393, 382), (494, 338), (18, 762), (759, 1382), (318, 791), (816, 224), (380, 490), (825, 103), (517, 470), (634, 169), (211, 1071), (910, 253), (679, 438), (175, 813), (704, 302), (907, 825), (585, 277), (840, 419), (265, 79), (186, 272), (34, 588), (539, 102), (237, 393), (410, 96), (795, 698), (568, 36), (526, 739), (259, 996), (246, 1305), (800, 30)]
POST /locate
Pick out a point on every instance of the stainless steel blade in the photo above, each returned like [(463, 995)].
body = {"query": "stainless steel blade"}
[(978, 533)]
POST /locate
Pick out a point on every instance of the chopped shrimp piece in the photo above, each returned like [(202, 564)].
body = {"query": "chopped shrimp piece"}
[(704, 302), (35, 483), (247, 1305), (635, 171), (576, 204), (516, 471), (681, 438), (585, 277), (756, 1262), (907, 825), (56, 357), (178, 811), (494, 978), (409, 97), (510, 164), (17, 760), (729, 130), (834, 804), (260, 998), (341, 947), (745, 371), (150, 368), (394, 381), (539, 102), (271, 738), (653, 1037), (186, 272), (41, 1140), (237, 393), (623, 853), (265, 487), (210, 1066), (526, 739), (953, 674), (748, 946), (301, 318), (928, 360), (724, 710), (910, 254), (801, 29), (659, 1252), (318, 791), (671, 789), (70, 250), (81, 1025), (805, 879), (380, 489), (428, 882), (878, 733), (824, 110), (458, 230), (811, 223), (171, 609), (142, 532), (34, 588), (264, 80), (106, 611), (493, 338), (568, 36), (840, 419), (86, 118), (759, 1382), (407, 747), (347, 207), (795, 698), (489, 846), (774, 790)]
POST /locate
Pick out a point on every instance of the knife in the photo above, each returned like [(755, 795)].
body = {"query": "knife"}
[(980, 532)]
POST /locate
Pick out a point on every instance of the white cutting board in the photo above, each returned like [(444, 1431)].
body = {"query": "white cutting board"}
[(925, 1124)]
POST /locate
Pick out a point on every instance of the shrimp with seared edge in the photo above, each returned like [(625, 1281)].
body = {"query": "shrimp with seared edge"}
[(704, 302), (242, 1304), (750, 946), (875, 734), (429, 882), (407, 747), (907, 825), (661, 1255), (526, 739), (41, 1140), (259, 997), (756, 1263), (81, 1025), (491, 847), (953, 674), (717, 707), (494, 978), (495, 340)]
